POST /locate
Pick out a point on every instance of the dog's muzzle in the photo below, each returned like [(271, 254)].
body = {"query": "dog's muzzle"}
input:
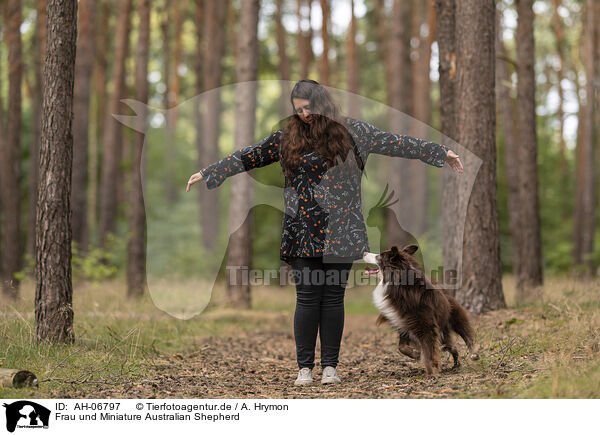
[(372, 258)]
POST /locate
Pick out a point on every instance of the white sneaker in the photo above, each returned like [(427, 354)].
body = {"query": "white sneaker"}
[(330, 376), (304, 377)]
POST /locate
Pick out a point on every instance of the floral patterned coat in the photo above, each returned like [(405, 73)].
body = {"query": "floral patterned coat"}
[(322, 208)]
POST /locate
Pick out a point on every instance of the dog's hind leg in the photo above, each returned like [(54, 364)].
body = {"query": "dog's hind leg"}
[(404, 346), (461, 324), (450, 347)]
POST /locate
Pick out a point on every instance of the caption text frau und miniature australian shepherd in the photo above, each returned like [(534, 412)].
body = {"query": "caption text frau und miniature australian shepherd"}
[(423, 314)]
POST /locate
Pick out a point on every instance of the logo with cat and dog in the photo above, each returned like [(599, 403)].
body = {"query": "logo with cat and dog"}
[(189, 242), (25, 414)]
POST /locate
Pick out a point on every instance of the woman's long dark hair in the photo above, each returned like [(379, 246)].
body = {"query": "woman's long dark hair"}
[(327, 133)]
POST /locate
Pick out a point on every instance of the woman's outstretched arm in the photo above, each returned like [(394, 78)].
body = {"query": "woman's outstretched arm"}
[(260, 154), (374, 140)]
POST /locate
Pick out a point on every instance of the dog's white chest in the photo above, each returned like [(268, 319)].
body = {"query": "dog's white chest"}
[(386, 308)]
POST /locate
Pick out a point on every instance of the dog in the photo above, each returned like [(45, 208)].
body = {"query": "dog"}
[(423, 313)]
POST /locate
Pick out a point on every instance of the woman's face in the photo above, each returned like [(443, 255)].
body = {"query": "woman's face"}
[(302, 107)]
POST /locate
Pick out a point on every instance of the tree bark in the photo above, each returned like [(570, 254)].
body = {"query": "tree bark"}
[(284, 61), (36, 99), (422, 83), (324, 67), (54, 291), (383, 41), (352, 67), (446, 38), (588, 196), (507, 113), (579, 186), (112, 140), (481, 289), (400, 102), (305, 52), (100, 96), (136, 266), (232, 20), (240, 243), (166, 52), (84, 64), (417, 175), (172, 88), (2, 139), (9, 161), (216, 13), (560, 42), (530, 257), (200, 56)]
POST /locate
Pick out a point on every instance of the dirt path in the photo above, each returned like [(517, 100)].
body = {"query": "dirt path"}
[(262, 365)]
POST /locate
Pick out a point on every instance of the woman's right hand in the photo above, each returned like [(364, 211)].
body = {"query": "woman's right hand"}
[(193, 179)]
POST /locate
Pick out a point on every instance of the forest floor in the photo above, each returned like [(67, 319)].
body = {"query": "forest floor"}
[(127, 349)]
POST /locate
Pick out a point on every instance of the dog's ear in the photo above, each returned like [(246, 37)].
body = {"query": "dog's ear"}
[(410, 249), (395, 253)]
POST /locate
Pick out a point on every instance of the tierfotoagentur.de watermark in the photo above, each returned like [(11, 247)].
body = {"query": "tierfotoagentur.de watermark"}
[(243, 275)]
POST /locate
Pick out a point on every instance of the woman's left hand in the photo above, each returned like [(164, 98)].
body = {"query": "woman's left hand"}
[(454, 162)]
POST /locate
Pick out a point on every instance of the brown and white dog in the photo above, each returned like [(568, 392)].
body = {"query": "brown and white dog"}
[(423, 314)]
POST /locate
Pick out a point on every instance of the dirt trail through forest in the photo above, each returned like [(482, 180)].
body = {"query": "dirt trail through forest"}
[(262, 365)]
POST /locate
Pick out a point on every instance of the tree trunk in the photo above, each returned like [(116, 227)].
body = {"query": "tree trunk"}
[(100, 93), (136, 266), (352, 67), (216, 13), (579, 188), (421, 69), (9, 161), (481, 289), (112, 139), (172, 86), (560, 42), (507, 113), (177, 61), (446, 38), (304, 38), (530, 257), (383, 41), (84, 64), (284, 61), (166, 52), (36, 101), (597, 111), (2, 139), (400, 97), (200, 56), (324, 67), (232, 20), (588, 195), (54, 291), (417, 176), (240, 244)]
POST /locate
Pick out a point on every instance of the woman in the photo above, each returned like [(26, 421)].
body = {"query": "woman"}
[(322, 156)]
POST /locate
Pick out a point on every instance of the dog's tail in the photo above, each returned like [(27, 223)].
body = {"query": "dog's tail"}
[(461, 324)]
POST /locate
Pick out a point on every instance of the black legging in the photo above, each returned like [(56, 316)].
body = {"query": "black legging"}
[(320, 288)]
